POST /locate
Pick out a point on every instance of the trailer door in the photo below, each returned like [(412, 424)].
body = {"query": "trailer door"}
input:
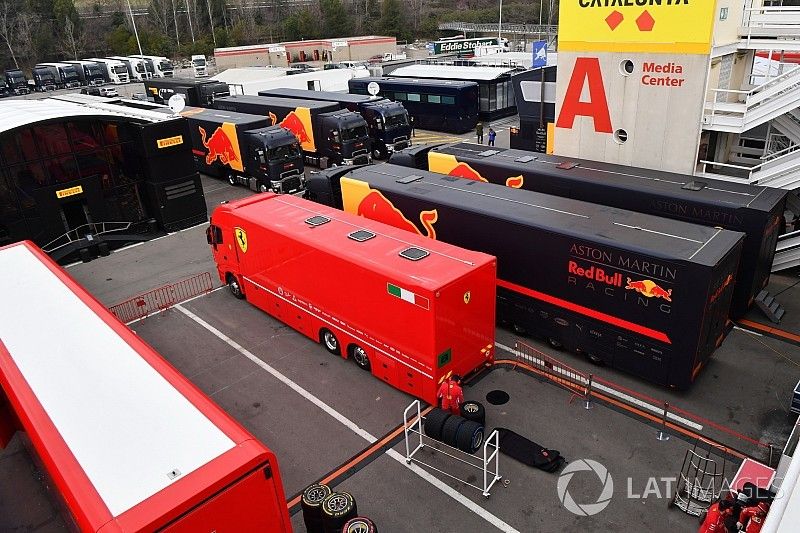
[(249, 504)]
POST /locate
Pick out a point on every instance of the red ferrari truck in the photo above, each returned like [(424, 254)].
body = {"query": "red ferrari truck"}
[(127, 443), (406, 308)]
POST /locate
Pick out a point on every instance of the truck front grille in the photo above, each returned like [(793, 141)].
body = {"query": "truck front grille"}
[(291, 184)]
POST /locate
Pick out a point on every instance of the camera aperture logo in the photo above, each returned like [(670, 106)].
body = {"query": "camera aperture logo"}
[(585, 509)]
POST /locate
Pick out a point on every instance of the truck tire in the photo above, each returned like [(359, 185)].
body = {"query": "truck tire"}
[(469, 437), (329, 340), (359, 524), (311, 503), (360, 357), (263, 187), (434, 422), (235, 288), (474, 411), (450, 430), (337, 509)]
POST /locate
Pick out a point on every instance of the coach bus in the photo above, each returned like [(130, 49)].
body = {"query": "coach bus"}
[(127, 443), (438, 105)]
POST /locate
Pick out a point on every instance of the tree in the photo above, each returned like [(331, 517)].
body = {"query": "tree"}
[(301, 25), (393, 20), (335, 20), (70, 39)]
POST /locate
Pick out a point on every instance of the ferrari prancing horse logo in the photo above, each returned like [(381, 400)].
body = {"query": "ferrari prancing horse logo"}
[(241, 239), (467, 296)]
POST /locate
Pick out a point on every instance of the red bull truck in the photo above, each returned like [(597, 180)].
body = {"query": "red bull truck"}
[(327, 134), (405, 308), (755, 211), (641, 293), (389, 128), (246, 150)]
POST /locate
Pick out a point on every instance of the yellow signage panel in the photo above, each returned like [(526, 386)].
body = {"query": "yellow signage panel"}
[(170, 141), (677, 26), (72, 191)]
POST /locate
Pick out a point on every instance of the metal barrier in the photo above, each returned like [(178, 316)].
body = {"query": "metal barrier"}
[(663, 414), (491, 451), (92, 228), (162, 297)]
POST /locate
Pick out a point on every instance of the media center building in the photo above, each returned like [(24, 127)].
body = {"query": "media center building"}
[(79, 175)]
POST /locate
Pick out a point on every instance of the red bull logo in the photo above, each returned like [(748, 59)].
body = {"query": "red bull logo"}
[(463, 170), (376, 206), (219, 146), (273, 118), (649, 288), (595, 274), (293, 123), (721, 288)]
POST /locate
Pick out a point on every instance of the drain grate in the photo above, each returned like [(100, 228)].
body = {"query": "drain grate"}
[(497, 397)]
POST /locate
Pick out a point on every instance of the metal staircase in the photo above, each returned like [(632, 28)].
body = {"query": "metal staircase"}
[(789, 125), (766, 28), (736, 111), (780, 170), (769, 306)]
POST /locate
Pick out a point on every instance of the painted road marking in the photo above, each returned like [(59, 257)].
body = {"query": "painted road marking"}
[(659, 411), (352, 426)]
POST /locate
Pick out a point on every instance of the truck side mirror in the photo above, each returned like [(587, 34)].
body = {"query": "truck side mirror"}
[(210, 236)]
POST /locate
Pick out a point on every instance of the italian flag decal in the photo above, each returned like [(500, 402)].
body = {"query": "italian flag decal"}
[(408, 296)]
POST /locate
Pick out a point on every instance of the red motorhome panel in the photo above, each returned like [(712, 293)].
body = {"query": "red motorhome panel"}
[(77, 440), (417, 320)]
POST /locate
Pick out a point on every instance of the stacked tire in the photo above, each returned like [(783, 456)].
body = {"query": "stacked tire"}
[(454, 430), (336, 510), (359, 524), (311, 503), (474, 411)]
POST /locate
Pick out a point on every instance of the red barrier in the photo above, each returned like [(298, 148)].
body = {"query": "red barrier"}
[(162, 297)]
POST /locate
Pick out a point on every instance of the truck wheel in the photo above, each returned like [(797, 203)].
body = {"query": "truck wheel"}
[(360, 356), (450, 430), (469, 437), (337, 509), (474, 411), (330, 341), (434, 421), (231, 179), (235, 288), (359, 524), (263, 188)]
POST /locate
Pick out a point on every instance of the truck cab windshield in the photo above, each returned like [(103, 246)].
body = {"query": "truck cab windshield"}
[(282, 153), (120, 69), (398, 119), (351, 134), (199, 62), (165, 66)]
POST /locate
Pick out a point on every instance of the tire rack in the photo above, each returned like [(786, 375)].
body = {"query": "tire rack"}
[(414, 425)]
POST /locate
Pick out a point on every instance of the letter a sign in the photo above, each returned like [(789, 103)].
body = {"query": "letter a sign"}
[(587, 69)]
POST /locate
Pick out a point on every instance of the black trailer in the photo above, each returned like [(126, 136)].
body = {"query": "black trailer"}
[(44, 79), (438, 105), (17, 82), (198, 93), (246, 150), (90, 72), (753, 210), (641, 293), (388, 123), (327, 134)]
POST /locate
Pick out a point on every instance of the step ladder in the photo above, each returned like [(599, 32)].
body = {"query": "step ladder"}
[(769, 306)]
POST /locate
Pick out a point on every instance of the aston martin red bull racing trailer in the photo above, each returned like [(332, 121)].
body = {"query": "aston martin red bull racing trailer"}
[(245, 149), (645, 294), (756, 211), (408, 309), (325, 132)]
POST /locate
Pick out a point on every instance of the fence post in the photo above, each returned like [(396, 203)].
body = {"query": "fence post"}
[(587, 400), (662, 433)]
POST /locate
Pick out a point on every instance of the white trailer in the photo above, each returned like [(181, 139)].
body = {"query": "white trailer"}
[(250, 80), (117, 70)]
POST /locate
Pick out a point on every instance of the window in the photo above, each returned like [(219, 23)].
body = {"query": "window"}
[(413, 97), (62, 169), (448, 100), (52, 139), (401, 96), (85, 136), (484, 100), (434, 99), (95, 164), (28, 145), (8, 145)]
